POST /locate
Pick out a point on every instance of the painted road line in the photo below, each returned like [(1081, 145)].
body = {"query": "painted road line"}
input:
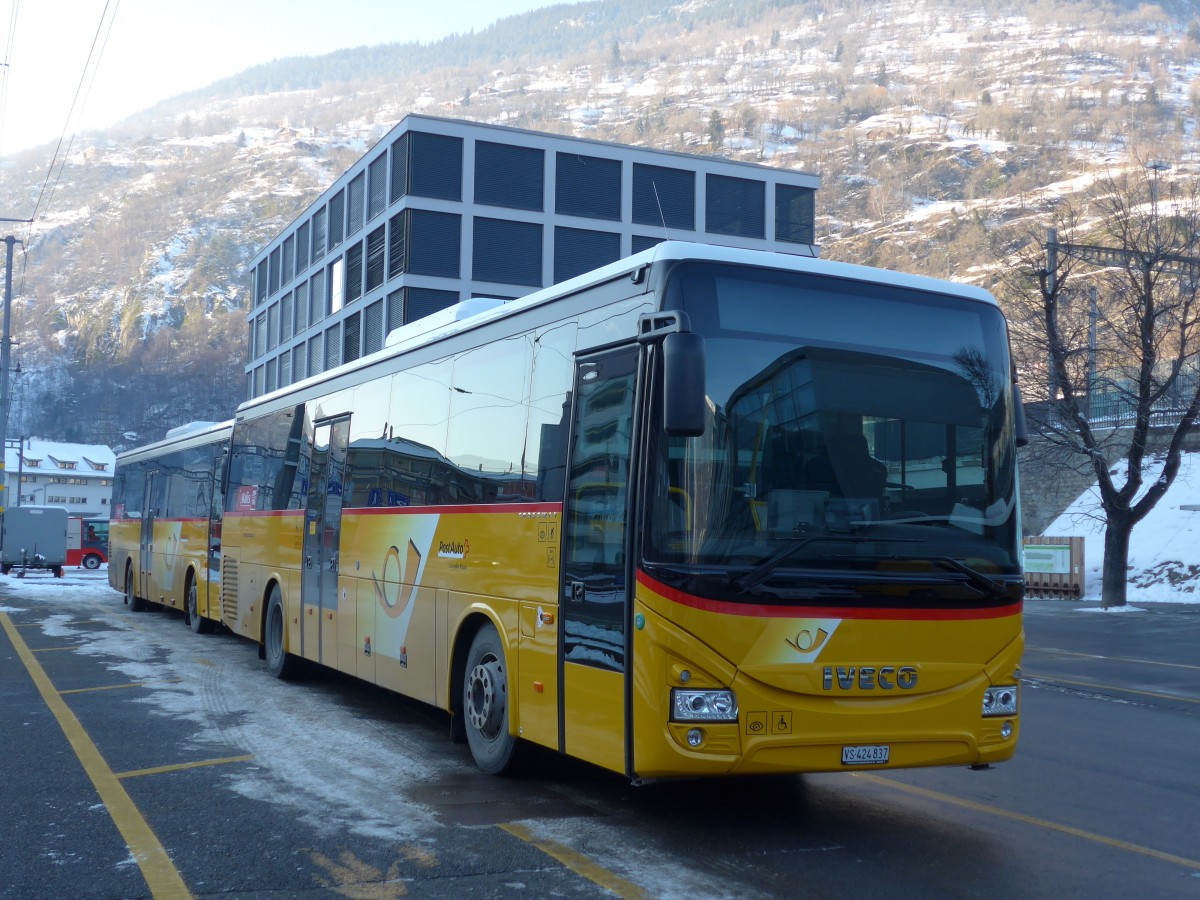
[(1031, 820), (579, 864), (1095, 686), (118, 687), (1127, 659), (179, 767), (160, 873)]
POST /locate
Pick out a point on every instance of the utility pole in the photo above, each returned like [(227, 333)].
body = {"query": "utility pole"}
[(6, 358)]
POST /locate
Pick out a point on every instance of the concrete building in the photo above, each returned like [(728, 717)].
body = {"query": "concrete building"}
[(442, 210), (47, 473)]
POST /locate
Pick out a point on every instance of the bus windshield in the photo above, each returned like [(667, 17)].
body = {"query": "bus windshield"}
[(855, 429)]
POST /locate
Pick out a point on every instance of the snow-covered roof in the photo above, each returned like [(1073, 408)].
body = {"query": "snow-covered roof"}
[(80, 460)]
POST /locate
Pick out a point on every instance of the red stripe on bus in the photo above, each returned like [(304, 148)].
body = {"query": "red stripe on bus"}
[(765, 611), (494, 508)]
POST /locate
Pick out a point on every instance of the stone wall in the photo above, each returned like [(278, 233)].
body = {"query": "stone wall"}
[(1052, 478)]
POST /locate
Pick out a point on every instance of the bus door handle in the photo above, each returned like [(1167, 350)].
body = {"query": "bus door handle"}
[(578, 590)]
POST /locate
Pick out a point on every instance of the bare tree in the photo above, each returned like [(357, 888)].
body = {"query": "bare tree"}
[(1108, 313)]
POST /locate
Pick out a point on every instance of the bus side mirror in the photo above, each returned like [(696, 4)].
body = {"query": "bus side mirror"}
[(684, 408), (1020, 428)]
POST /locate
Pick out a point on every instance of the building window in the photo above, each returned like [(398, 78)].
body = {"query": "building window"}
[(421, 302), (507, 252), (377, 186), (794, 214), (299, 358), (427, 165), (735, 206), (260, 283), (435, 243), (285, 368), (316, 298), (376, 257), (303, 235), (285, 317), (319, 221), (270, 382), (373, 327), (578, 250), (260, 335), (509, 176), (273, 271), (316, 358), (301, 321), (258, 381), (587, 186), (642, 242), (272, 326), (664, 197), (350, 338), (337, 218), (336, 286), (333, 346), (354, 272), (395, 311), (289, 261), (33, 463), (356, 199)]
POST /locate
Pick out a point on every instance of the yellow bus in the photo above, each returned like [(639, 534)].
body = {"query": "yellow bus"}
[(165, 526), (703, 511)]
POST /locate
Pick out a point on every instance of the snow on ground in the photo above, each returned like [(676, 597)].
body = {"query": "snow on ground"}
[(1164, 550)]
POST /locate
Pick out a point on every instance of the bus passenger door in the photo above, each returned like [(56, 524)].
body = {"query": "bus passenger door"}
[(322, 537), (595, 582), (151, 503)]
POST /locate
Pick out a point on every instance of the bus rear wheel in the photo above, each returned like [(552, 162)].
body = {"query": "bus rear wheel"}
[(135, 603), (91, 561), (191, 611), (280, 663), (485, 703)]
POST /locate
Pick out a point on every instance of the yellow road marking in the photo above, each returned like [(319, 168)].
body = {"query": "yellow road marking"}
[(50, 649), (1108, 687), (117, 687), (178, 767), (579, 864), (160, 873), (1130, 659), (1031, 820)]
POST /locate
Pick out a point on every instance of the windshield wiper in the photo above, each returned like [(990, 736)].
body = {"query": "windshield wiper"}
[(763, 570), (989, 587)]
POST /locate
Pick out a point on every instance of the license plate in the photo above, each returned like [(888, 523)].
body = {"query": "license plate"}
[(865, 755)]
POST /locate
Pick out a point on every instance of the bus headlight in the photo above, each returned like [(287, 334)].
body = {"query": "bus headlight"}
[(703, 706), (1000, 700)]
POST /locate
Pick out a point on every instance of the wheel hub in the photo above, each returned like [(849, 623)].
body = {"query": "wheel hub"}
[(485, 706)]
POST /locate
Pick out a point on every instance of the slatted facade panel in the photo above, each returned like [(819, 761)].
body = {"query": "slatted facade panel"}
[(509, 176), (588, 186), (507, 252), (579, 250), (735, 206), (664, 197)]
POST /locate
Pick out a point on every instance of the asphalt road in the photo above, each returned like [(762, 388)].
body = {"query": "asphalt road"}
[(141, 760)]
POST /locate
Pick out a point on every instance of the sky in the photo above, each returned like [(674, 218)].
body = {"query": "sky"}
[(83, 64)]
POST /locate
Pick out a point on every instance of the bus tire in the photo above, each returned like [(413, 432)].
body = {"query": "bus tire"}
[(91, 561), (485, 702), (135, 603), (280, 663), (191, 610)]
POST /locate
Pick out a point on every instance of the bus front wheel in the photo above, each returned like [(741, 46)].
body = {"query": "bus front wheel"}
[(485, 703), (280, 663), (91, 561)]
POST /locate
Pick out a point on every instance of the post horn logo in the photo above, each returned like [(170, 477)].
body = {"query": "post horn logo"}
[(403, 594)]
